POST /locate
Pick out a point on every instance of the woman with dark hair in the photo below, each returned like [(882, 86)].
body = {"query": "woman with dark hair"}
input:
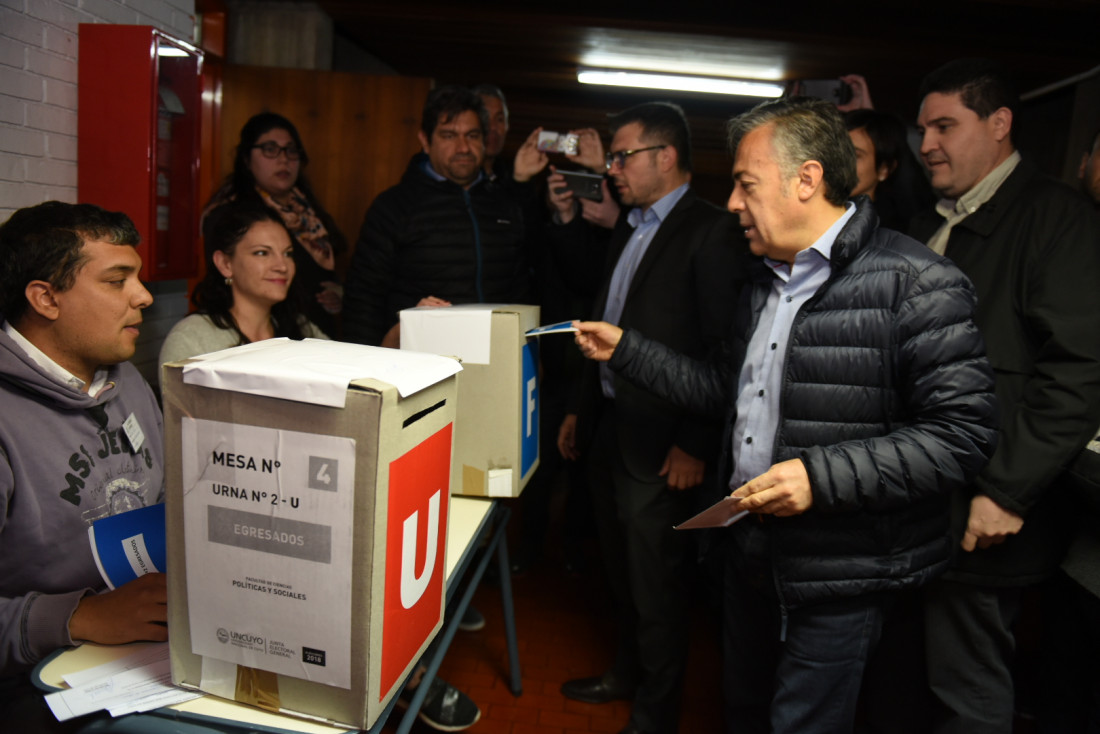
[(887, 169), (248, 292), (267, 168)]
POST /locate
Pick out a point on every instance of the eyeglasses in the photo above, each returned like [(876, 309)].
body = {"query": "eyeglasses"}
[(620, 157), (271, 149)]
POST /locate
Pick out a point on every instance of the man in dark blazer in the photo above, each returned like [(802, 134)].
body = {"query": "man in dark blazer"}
[(671, 271), (1029, 245)]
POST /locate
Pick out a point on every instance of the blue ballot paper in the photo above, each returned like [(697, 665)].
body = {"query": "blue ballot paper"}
[(129, 544), (562, 327)]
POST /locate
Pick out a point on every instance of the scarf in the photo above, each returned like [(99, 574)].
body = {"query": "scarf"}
[(303, 223)]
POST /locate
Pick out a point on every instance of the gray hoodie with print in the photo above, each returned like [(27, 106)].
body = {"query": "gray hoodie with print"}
[(64, 462)]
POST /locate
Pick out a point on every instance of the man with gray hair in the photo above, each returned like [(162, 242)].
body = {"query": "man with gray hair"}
[(497, 130), (857, 399)]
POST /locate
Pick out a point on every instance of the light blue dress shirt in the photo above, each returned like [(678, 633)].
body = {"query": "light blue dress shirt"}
[(645, 224), (761, 380)]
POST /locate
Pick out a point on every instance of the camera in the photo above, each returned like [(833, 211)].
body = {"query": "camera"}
[(551, 142)]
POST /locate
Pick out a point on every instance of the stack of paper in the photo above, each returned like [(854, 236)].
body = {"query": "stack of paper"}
[(138, 682)]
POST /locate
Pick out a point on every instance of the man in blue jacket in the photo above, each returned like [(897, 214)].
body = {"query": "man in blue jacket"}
[(446, 233), (858, 399)]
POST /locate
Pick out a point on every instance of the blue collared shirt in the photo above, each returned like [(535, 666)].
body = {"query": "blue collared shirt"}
[(761, 380), (645, 224), (440, 177)]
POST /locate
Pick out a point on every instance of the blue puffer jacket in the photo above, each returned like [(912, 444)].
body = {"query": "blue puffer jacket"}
[(887, 398)]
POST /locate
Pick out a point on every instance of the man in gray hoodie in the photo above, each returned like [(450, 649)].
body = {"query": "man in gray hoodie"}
[(80, 436)]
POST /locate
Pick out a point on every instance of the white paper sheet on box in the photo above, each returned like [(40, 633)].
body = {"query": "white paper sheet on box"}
[(459, 331), (314, 370)]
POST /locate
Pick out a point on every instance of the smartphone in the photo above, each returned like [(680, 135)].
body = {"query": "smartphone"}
[(584, 185), (830, 90)]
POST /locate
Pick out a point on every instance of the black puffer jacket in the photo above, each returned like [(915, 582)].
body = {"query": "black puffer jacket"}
[(887, 398), (425, 237)]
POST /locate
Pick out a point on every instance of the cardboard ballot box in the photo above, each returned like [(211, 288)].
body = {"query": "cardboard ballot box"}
[(497, 427), (306, 512)]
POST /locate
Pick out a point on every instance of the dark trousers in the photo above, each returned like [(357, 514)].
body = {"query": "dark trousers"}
[(895, 697), (1071, 659), (970, 646), (807, 682), (536, 497), (647, 564)]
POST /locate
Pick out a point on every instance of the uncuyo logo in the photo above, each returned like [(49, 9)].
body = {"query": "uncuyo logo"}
[(240, 639)]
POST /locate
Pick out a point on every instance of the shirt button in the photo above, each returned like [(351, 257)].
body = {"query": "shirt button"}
[(760, 394), (748, 440), (774, 345), (790, 298)]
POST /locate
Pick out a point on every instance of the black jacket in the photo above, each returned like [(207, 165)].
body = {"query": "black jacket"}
[(682, 295), (425, 237), (1033, 254), (887, 399)]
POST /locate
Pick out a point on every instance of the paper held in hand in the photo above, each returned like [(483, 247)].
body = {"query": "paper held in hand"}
[(562, 327), (721, 514)]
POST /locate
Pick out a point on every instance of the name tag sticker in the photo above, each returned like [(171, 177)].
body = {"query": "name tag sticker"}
[(133, 432)]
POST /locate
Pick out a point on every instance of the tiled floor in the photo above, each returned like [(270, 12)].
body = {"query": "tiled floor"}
[(564, 631)]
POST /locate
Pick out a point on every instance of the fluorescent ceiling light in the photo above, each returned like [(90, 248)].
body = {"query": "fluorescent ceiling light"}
[(679, 82)]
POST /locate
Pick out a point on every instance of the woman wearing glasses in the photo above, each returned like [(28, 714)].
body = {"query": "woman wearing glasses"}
[(268, 168)]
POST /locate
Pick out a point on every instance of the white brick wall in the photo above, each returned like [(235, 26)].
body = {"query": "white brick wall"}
[(38, 58), (38, 78)]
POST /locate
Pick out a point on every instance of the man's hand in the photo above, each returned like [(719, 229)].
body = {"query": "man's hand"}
[(529, 159), (597, 339), (560, 196), (589, 150), (331, 296), (433, 301), (392, 338), (783, 490), (683, 470), (989, 524), (601, 213), (861, 95), (134, 611), (567, 438)]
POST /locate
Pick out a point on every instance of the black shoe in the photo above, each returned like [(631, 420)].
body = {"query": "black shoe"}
[(600, 689), (445, 708), (471, 621)]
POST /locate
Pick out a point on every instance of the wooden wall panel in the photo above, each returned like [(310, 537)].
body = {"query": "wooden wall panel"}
[(359, 129)]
